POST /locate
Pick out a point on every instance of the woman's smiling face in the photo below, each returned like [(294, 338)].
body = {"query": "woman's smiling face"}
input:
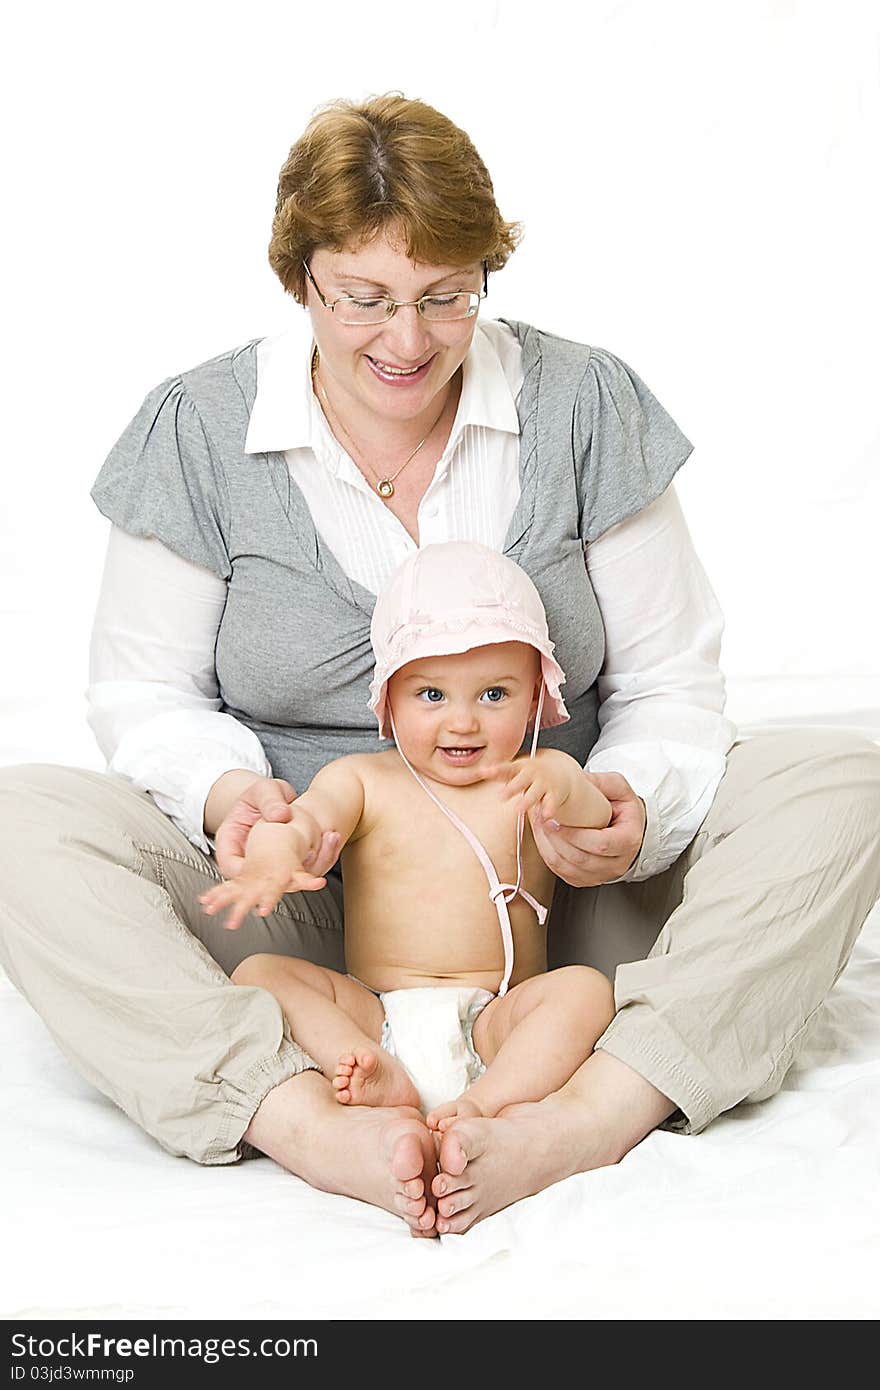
[(350, 353)]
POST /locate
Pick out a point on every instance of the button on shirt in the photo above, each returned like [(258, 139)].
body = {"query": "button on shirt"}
[(153, 698)]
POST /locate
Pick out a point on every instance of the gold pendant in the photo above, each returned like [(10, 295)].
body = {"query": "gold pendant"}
[(385, 488)]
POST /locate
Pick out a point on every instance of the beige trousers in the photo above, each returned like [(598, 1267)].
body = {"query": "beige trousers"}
[(101, 931)]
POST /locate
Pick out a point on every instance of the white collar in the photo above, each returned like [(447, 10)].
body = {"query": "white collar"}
[(285, 410)]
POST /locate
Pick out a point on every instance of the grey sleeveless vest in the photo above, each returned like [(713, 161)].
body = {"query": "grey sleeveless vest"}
[(293, 653)]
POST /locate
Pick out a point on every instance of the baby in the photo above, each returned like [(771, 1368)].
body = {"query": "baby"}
[(449, 1006)]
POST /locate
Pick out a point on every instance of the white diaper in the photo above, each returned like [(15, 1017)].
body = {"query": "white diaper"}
[(430, 1031)]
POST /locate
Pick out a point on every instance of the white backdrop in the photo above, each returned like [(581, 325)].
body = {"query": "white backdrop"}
[(699, 189)]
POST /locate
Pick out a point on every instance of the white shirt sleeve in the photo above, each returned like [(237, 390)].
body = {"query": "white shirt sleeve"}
[(153, 699), (661, 690)]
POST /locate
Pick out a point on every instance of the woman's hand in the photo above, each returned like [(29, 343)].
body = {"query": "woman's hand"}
[(586, 858), (268, 799)]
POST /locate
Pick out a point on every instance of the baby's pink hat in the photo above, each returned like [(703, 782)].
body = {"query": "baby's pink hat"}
[(448, 598)]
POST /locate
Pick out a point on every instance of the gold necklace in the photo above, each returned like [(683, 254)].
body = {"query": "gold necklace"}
[(385, 486)]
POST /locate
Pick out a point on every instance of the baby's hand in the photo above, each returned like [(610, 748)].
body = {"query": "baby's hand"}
[(249, 892), (273, 867), (533, 782)]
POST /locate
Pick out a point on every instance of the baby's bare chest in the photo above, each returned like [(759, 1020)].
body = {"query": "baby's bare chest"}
[(401, 802), (417, 903), (411, 842)]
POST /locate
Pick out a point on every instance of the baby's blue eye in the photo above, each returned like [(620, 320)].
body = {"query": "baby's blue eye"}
[(432, 695)]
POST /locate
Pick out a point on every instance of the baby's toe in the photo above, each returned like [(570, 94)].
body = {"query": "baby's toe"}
[(446, 1111)]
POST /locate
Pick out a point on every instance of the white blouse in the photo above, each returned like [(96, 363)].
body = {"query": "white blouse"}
[(153, 699)]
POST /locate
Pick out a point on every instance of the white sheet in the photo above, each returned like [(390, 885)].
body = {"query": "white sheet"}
[(773, 1212)]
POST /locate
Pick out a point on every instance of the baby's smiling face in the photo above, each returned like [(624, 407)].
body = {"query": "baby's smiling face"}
[(478, 702)]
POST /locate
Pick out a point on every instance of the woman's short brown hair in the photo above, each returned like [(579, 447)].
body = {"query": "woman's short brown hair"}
[(386, 163)]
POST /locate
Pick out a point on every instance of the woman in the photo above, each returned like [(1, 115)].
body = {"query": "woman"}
[(258, 501)]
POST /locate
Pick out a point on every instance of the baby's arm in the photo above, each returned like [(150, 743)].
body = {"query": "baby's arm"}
[(558, 782), (274, 853)]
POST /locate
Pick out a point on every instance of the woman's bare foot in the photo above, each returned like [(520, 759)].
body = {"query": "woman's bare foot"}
[(485, 1164), (594, 1120), (373, 1078), (442, 1116), (385, 1157)]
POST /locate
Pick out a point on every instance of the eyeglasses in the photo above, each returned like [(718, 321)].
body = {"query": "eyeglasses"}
[(462, 304)]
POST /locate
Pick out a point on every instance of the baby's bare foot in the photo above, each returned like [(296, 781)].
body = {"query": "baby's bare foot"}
[(442, 1116), (373, 1078)]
